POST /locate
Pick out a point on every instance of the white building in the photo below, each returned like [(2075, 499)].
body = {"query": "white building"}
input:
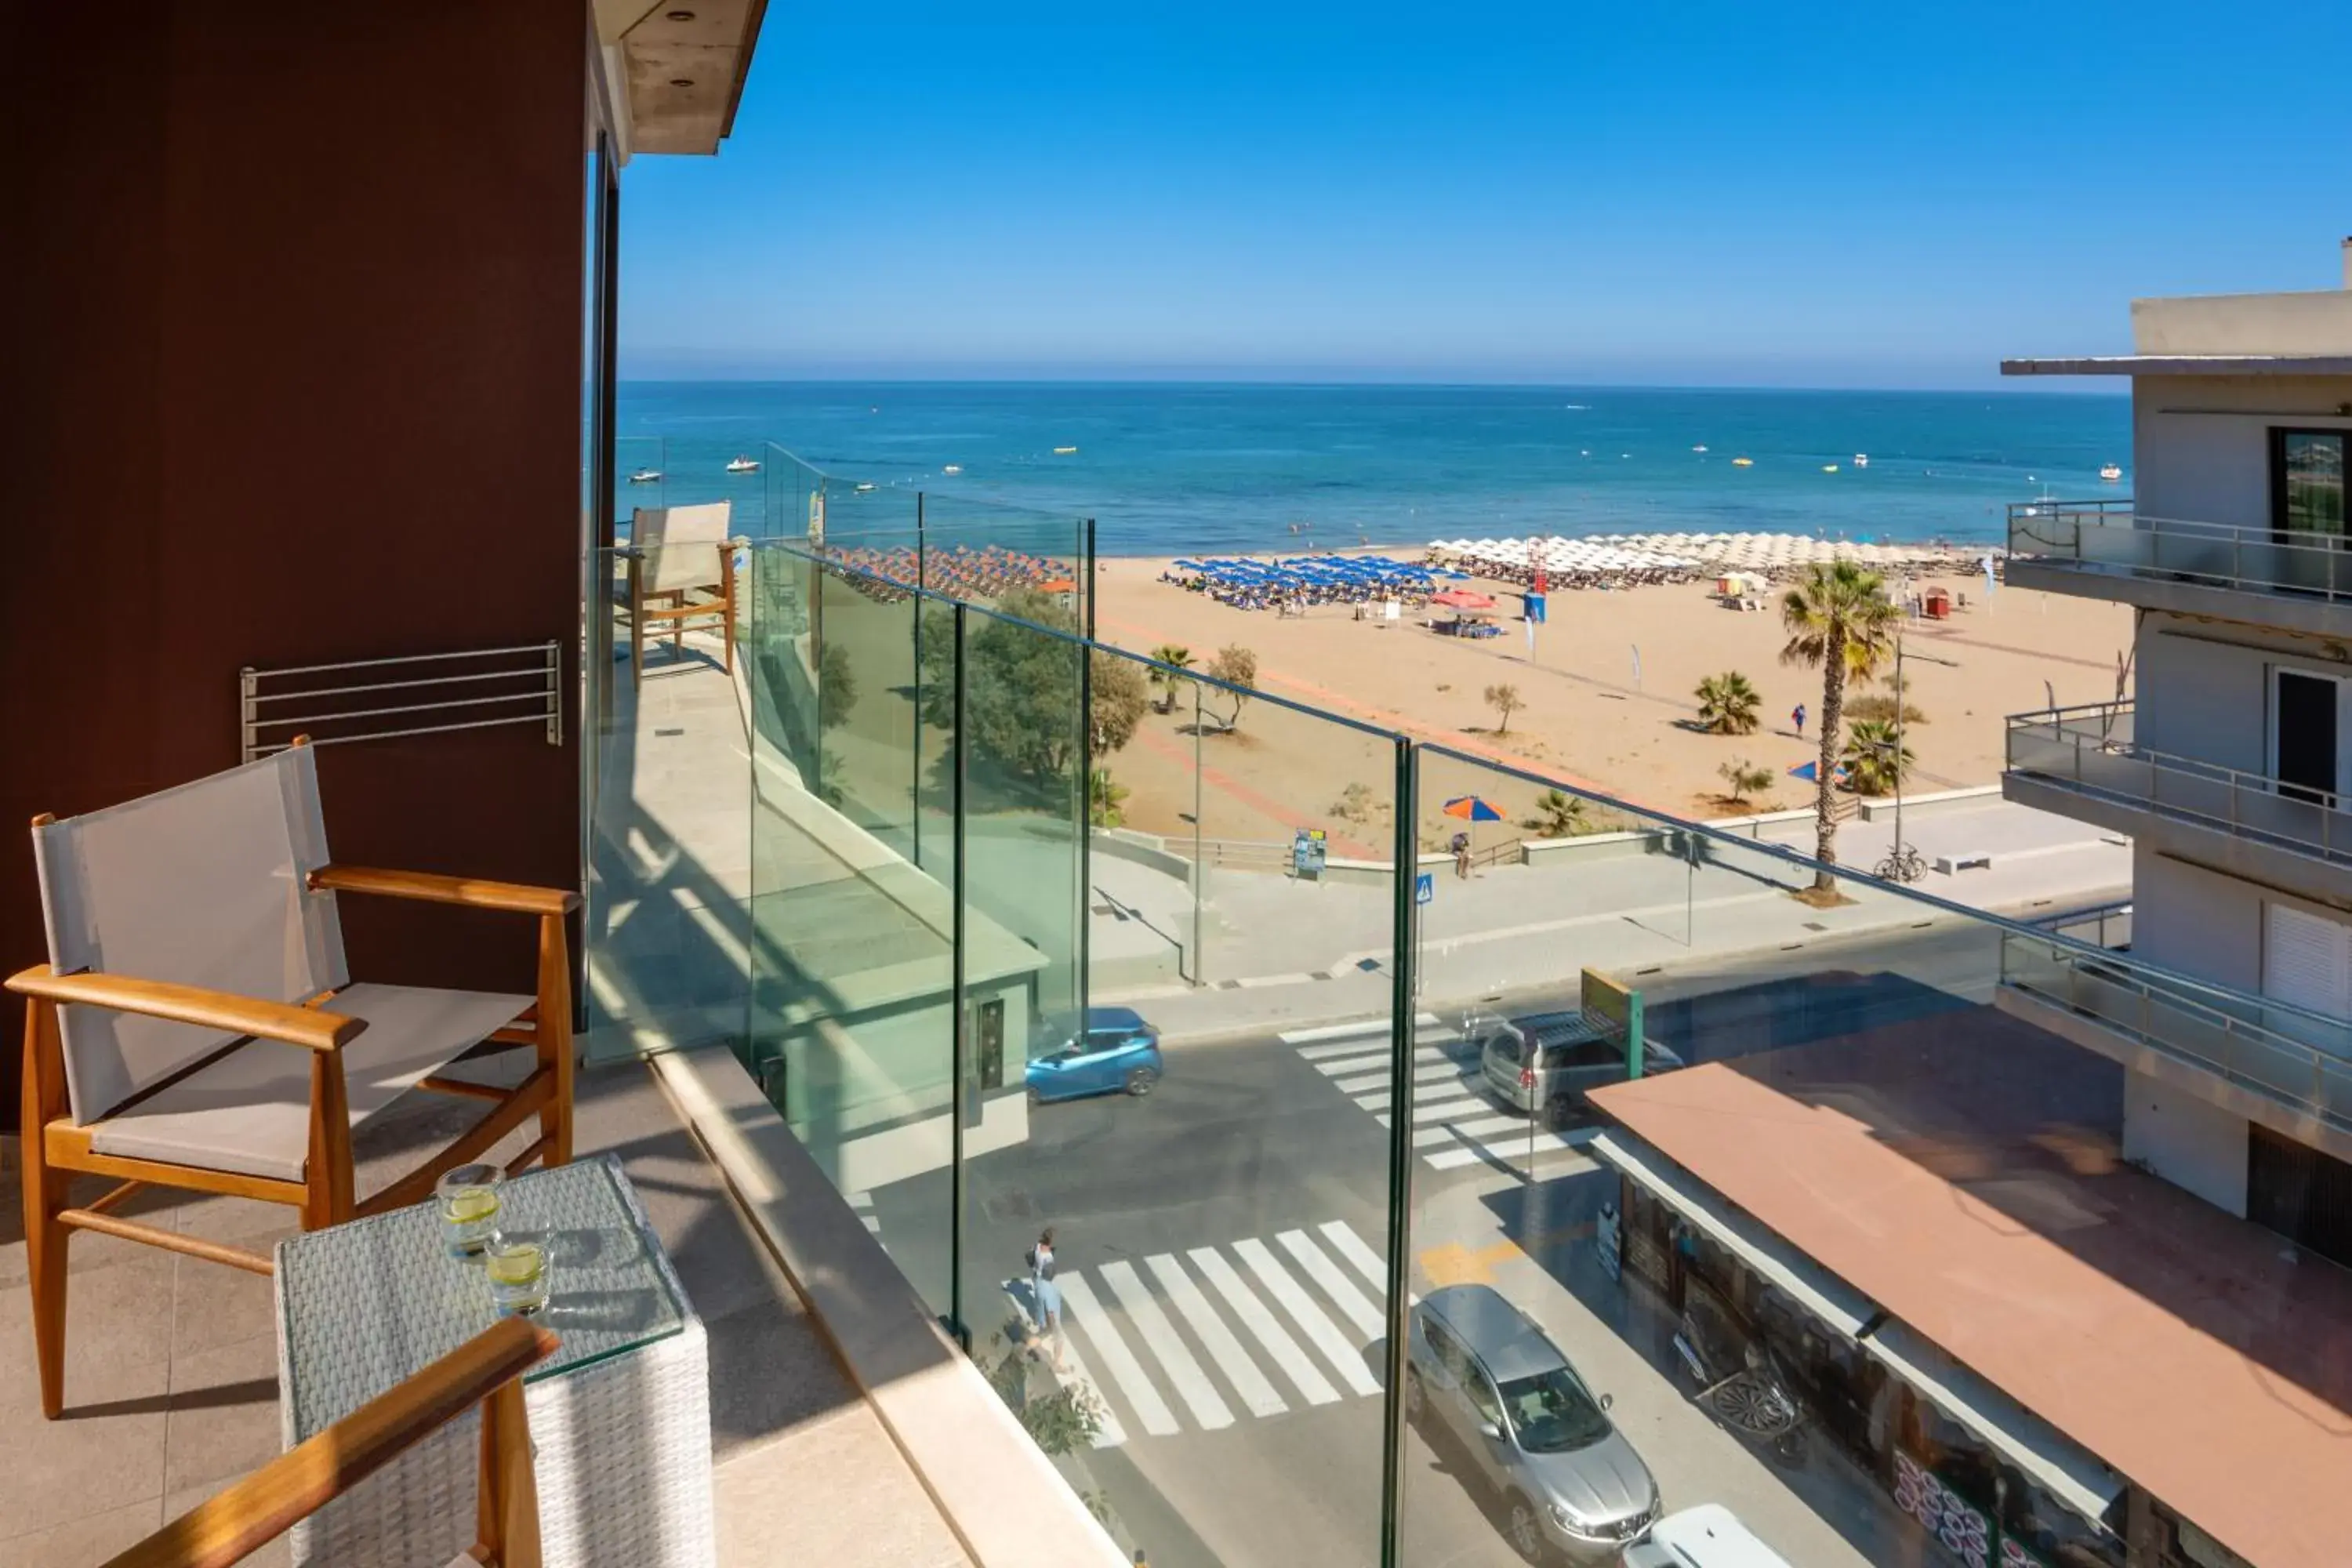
[(2232, 770)]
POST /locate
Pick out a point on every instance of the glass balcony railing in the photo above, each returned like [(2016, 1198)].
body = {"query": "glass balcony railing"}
[(2299, 1059), (1443, 1163), (2110, 537), (2090, 748)]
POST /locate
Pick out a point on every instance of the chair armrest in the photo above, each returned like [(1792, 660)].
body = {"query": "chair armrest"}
[(309, 1027), (434, 888), (298, 1483)]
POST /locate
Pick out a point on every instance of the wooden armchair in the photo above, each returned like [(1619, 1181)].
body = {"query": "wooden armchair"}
[(487, 1369), (195, 1026), (675, 553)]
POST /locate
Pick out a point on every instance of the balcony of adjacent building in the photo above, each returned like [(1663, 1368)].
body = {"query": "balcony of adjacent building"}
[(2299, 581), (2085, 763)]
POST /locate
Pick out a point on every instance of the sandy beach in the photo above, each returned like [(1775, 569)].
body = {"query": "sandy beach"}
[(1589, 717)]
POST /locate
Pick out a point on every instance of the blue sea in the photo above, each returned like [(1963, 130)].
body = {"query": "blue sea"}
[(1174, 468)]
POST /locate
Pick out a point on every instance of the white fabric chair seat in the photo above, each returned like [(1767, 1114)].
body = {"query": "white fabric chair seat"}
[(250, 1111)]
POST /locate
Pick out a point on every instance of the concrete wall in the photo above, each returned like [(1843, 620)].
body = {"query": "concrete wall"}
[(2200, 445), (2318, 322), (2195, 921), (2189, 1142), (303, 383), (2204, 689)]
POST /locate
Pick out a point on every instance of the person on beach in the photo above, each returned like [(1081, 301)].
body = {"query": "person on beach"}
[(1045, 1293), (1798, 718), (1462, 856)]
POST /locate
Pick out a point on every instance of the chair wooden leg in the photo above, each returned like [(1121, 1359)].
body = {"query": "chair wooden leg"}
[(328, 1171), (507, 1492), (726, 599), (44, 1190), (555, 1037)]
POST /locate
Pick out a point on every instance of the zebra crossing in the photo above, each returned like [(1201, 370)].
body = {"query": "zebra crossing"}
[(1286, 1323), (1455, 1123)]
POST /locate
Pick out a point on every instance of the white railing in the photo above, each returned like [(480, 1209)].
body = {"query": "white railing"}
[(417, 694), (2111, 537), (2090, 748)]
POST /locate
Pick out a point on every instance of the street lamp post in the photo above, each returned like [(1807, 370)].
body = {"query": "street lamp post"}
[(1897, 859)]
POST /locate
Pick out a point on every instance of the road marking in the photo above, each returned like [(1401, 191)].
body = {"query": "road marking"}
[(864, 1204), (1380, 1079), (1295, 1363), (1359, 1026), (1161, 1339), (1354, 1050), (1226, 1350), (1351, 1246), (1455, 1159), (1082, 1310), (1354, 1061), (1310, 1318), (1453, 1108), (1436, 1135), (1517, 1126), (1074, 1372), (1336, 1284)]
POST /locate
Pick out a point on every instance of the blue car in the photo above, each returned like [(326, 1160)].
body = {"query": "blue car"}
[(1115, 1053)]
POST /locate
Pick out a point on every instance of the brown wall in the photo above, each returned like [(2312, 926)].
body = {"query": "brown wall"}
[(292, 374)]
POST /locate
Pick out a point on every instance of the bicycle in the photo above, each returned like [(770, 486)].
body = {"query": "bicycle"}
[(1904, 864)]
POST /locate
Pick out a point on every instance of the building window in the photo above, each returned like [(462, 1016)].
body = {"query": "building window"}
[(2307, 481)]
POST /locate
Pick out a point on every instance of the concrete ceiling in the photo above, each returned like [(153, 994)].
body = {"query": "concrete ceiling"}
[(683, 64)]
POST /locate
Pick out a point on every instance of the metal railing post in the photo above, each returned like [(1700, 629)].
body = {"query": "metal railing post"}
[(248, 715), (958, 1048), (1404, 913)]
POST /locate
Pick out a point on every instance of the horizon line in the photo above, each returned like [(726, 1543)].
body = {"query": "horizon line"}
[(1325, 384)]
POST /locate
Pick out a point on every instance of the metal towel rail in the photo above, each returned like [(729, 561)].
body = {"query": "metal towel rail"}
[(426, 697)]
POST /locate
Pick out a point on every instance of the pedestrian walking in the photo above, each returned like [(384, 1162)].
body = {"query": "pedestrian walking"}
[(1799, 718), (1045, 1293), (1462, 856)]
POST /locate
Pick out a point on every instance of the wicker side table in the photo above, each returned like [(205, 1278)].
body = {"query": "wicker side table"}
[(620, 1416)]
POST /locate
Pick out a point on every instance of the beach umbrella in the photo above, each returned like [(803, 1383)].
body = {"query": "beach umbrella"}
[(1474, 810), (1463, 599)]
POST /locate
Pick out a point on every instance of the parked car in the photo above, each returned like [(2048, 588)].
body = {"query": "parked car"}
[(1546, 1066), (1482, 1372), (1707, 1536), (1115, 1052)]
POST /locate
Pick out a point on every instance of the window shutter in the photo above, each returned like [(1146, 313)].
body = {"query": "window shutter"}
[(2307, 961)]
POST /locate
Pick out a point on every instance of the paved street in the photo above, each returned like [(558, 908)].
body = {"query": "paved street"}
[(1222, 1248)]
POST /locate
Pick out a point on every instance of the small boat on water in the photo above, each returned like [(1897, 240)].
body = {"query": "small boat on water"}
[(742, 465), (1862, 459), (2112, 472), (1699, 448), (1063, 451), (952, 469), (865, 485), (646, 477), (1743, 462), (1829, 468)]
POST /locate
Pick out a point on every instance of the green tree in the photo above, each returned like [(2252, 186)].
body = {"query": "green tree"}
[(1166, 680), (836, 684), (1115, 695), (1236, 667), (1020, 685), (1727, 704), (1745, 779), (1066, 1421), (1876, 762), (1106, 797), (1559, 814), (1840, 622), (1504, 700)]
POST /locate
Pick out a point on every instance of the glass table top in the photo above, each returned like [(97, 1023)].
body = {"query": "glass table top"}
[(363, 1305)]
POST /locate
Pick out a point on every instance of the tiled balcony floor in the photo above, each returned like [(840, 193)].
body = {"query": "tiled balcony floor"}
[(171, 1367)]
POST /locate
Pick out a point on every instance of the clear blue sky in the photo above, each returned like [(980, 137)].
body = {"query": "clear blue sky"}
[(1809, 192)]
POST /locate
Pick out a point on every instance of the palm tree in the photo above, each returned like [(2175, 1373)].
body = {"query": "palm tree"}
[(1174, 654), (1727, 704), (1876, 761), (1559, 814), (1107, 798), (1839, 621)]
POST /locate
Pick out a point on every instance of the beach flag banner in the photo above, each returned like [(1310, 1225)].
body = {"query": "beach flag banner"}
[(1637, 666), (1993, 584), (816, 517)]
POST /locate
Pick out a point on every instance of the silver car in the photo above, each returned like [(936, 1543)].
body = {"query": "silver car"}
[(1545, 1066), (1572, 1485)]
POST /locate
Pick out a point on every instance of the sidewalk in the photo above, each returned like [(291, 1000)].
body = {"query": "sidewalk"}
[(1275, 950)]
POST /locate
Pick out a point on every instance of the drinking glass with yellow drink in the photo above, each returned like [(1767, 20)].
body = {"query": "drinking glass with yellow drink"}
[(518, 1271), (469, 1198)]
